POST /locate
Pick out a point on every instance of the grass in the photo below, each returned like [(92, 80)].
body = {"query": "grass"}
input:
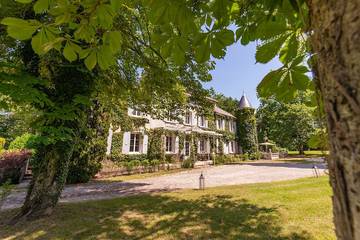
[(298, 209), (310, 153)]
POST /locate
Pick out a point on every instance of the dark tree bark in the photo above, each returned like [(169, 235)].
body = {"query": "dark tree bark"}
[(335, 40), (66, 82)]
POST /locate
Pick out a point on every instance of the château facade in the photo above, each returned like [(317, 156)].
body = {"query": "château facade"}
[(195, 136)]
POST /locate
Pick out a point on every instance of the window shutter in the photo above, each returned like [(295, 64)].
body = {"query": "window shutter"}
[(207, 146), (176, 144), (145, 144), (126, 143)]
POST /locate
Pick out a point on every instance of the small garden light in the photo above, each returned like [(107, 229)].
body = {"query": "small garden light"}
[(201, 181)]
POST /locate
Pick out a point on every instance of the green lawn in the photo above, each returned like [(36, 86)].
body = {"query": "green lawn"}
[(298, 209), (123, 178), (310, 153)]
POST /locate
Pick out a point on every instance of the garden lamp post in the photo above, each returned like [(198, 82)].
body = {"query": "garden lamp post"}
[(201, 181)]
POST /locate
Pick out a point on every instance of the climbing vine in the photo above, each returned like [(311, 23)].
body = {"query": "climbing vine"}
[(246, 130), (116, 148)]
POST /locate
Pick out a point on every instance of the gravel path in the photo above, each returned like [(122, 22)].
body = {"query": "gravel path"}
[(214, 176)]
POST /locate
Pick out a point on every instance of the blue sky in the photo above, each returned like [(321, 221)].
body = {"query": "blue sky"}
[(237, 72)]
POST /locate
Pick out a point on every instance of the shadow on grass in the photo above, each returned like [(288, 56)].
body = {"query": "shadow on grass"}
[(155, 217)]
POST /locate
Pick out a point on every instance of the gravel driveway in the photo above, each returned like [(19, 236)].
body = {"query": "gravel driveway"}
[(214, 176)]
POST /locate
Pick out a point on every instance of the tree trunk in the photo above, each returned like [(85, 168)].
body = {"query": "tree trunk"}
[(335, 41), (301, 151), (48, 181), (60, 125)]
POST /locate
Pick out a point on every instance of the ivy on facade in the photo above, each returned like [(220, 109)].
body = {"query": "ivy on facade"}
[(246, 130)]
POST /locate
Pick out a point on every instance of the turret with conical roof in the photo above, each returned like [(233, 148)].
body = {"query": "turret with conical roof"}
[(244, 102), (246, 128)]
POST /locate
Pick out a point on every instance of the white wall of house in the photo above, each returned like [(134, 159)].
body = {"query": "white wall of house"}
[(156, 123)]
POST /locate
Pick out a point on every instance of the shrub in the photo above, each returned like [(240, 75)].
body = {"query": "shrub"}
[(246, 156), (130, 157), (187, 163), (145, 164), (2, 144), (170, 158), (254, 156), (129, 166), (25, 141), (136, 163), (155, 164), (12, 165)]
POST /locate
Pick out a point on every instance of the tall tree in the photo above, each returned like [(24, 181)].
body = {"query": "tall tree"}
[(68, 85), (289, 125)]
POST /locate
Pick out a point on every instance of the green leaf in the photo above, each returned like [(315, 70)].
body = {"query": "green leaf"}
[(166, 49), (20, 29), (105, 57), (269, 84), (105, 15), (269, 50), (90, 61), (69, 52), (225, 36), (202, 52), (41, 40), (179, 49), (41, 6), (217, 48), (56, 43), (300, 80), (289, 50), (270, 29), (83, 53), (113, 40)]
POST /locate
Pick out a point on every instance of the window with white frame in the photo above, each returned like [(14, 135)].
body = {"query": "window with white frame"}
[(202, 145), (169, 147), (188, 118), (134, 142), (232, 126), (202, 121), (135, 112), (232, 147), (220, 123)]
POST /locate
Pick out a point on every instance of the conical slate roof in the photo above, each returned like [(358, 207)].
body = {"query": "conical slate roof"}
[(244, 102)]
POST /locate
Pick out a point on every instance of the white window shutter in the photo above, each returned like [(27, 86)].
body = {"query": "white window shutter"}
[(176, 144), (145, 144), (208, 146), (126, 143)]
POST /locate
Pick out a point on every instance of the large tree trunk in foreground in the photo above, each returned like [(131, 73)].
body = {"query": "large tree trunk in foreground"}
[(49, 180), (336, 43), (61, 123)]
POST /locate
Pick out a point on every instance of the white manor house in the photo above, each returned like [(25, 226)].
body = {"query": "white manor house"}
[(197, 135)]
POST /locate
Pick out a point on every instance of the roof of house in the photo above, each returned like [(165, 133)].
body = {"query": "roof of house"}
[(222, 112), (244, 102)]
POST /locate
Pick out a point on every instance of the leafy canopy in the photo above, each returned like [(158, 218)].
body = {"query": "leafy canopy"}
[(86, 30)]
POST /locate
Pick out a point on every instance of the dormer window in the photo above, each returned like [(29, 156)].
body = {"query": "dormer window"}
[(188, 118), (220, 123), (135, 112), (202, 121)]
